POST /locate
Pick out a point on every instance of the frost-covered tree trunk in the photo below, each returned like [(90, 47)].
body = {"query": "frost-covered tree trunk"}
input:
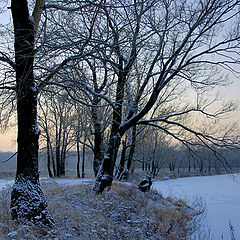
[(122, 159), (123, 66), (105, 173), (98, 152), (27, 200), (132, 148)]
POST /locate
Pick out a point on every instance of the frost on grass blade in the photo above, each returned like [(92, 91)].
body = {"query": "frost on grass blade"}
[(28, 203)]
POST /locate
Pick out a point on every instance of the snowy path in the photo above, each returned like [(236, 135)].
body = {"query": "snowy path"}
[(220, 193)]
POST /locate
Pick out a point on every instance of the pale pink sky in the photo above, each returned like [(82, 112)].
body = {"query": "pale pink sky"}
[(8, 140)]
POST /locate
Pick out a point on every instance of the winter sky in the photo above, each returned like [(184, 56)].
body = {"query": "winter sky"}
[(8, 139)]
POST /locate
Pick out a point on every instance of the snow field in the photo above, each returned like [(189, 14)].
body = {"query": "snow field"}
[(220, 193)]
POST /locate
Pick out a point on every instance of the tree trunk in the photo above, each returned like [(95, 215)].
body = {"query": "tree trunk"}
[(122, 159), (201, 165), (132, 148), (63, 160), (143, 162), (98, 152), (180, 166), (63, 153), (27, 200), (83, 158), (154, 158), (124, 174), (53, 161), (209, 165), (49, 158), (153, 167), (148, 167), (78, 156), (105, 173), (57, 155), (189, 164)]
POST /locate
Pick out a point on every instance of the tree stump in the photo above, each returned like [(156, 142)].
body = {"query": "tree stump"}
[(145, 184)]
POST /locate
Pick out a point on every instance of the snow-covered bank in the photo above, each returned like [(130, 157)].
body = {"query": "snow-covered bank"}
[(221, 194), (4, 183), (121, 213), (63, 181), (67, 181)]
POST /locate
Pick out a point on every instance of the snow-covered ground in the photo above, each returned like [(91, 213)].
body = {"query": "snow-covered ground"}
[(4, 183), (62, 181), (68, 181), (221, 195)]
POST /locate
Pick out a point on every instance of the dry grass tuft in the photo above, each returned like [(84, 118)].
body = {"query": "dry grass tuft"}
[(123, 212)]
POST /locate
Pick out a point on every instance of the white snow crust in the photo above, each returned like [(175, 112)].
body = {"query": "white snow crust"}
[(5, 183), (221, 194), (62, 181)]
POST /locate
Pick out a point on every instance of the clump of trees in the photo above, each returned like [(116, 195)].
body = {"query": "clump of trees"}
[(107, 72)]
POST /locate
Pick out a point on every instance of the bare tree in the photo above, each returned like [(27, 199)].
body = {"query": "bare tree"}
[(174, 39), (57, 119), (137, 56), (82, 136), (27, 200)]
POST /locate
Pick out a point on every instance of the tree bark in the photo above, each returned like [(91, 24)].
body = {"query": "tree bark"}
[(63, 157), (98, 153), (27, 200), (83, 158), (49, 158), (180, 166), (122, 159), (78, 156), (58, 160), (132, 149), (143, 163), (53, 161), (105, 173)]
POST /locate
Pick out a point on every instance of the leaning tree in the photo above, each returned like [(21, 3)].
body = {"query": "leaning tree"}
[(173, 41)]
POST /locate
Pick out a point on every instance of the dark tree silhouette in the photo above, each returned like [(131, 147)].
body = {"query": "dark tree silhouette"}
[(27, 200)]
